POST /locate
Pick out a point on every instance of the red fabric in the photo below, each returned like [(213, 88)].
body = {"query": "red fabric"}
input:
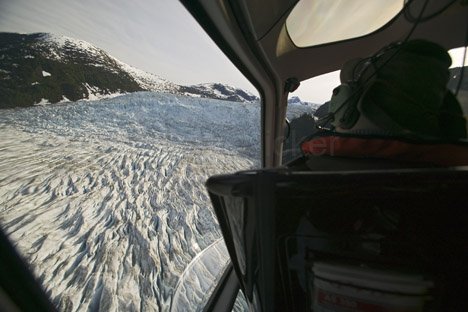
[(443, 154)]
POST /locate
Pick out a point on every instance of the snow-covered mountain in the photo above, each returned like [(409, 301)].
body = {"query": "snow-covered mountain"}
[(220, 92), (295, 100), (106, 199), (43, 68)]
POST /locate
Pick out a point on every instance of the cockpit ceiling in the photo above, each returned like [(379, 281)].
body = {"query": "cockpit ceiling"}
[(259, 29), (444, 22), (265, 14)]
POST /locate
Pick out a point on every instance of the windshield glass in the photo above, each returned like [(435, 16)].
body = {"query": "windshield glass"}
[(306, 104), (113, 116), (315, 22), (302, 105), (458, 82)]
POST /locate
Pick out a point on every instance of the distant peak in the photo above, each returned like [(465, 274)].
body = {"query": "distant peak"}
[(220, 91)]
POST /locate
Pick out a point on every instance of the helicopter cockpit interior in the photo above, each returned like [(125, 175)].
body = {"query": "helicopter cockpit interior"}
[(372, 216)]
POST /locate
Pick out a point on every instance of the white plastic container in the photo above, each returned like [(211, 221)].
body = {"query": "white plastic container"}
[(339, 287)]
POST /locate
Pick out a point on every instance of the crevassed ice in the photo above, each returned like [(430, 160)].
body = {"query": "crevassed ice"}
[(106, 199)]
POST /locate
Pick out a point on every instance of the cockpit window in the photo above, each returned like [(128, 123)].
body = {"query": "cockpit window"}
[(458, 82), (113, 116), (315, 22), (302, 106)]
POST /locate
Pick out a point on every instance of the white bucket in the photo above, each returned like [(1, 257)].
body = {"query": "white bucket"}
[(339, 287)]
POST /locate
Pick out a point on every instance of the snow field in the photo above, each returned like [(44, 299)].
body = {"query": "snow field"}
[(106, 199)]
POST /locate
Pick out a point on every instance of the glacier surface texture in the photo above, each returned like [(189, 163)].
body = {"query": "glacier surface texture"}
[(106, 199)]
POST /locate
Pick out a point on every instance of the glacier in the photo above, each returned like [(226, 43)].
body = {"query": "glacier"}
[(106, 199)]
